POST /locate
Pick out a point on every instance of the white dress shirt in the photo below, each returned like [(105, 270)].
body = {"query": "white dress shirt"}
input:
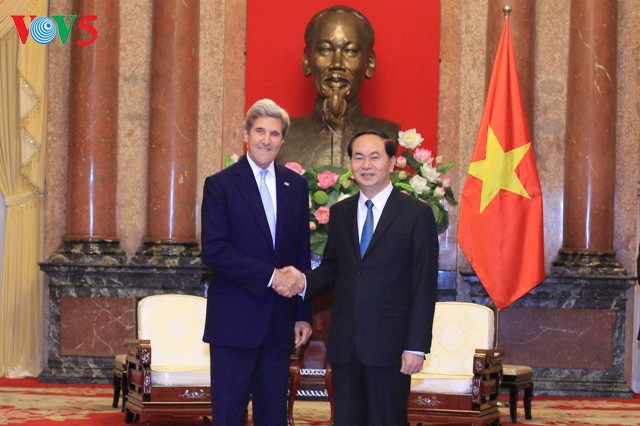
[(379, 201), (270, 181)]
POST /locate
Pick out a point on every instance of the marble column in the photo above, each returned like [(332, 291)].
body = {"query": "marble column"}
[(173, 131), (91, 234), (587, 246)]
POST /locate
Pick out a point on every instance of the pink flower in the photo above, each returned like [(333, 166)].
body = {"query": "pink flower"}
[(439, 192), (322, 215), (401, 162), (327, 179), (296, 167), (446, 182), (312, 225), (423, 155)]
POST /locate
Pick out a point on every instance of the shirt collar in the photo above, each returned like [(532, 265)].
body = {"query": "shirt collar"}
[(256, 169), (379, 200)]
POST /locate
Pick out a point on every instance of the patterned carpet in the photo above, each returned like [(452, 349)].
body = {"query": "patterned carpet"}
[(27, 402)]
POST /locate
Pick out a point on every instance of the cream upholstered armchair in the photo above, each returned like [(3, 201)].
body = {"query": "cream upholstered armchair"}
[(167, 367), (459, 383)]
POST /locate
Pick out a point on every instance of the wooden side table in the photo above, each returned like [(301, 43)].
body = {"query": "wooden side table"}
[(516, 378)]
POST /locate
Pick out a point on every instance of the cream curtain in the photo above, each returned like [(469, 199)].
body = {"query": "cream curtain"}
[(23, 72)]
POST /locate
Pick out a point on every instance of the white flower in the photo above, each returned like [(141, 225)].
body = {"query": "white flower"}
[(409, 139), (418, 183), (430, 172), (342, 196)]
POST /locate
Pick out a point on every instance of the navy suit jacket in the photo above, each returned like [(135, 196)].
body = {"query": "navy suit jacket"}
[(384, 303), (237, 245)]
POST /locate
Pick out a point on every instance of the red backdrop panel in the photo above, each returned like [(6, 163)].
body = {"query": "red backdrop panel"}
[(404, 87)]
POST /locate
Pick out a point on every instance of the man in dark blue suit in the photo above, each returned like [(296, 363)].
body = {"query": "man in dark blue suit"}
[(255, 219), (382, 260)]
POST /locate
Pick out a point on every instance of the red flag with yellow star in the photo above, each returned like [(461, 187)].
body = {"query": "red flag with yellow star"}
[(500, 224)]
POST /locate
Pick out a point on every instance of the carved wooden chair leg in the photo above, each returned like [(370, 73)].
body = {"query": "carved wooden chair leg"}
[(328, 383), (294, 371)]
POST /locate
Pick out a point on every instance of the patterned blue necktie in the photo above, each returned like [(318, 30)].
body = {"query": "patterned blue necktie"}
[(268, 204), (367, 229)]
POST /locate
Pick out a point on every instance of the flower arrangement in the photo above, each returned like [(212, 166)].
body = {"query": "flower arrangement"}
[(327, 186), (422, 176), (417, 173)]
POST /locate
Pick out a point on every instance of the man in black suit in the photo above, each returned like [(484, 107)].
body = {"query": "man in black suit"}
[(382, 261), (255, 219)]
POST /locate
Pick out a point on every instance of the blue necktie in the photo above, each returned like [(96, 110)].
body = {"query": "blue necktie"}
[(367, 229), (268, 204)]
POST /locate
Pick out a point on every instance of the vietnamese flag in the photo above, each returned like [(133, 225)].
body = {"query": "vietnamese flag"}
[(500, 223)]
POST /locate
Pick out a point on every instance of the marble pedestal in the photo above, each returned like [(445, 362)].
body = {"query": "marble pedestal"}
[(571, 330), (92, 310)]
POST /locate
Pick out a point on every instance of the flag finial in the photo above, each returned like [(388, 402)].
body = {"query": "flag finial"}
[(507, 10)]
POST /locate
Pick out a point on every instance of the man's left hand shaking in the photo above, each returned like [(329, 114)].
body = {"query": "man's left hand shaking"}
[(288, 281)]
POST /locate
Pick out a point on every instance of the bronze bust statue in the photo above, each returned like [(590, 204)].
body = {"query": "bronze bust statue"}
[(339, 55)]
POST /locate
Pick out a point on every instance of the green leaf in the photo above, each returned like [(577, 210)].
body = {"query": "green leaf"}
[(411, 161), (448, 195), (344, 176), (446, 168), (320, 197), (318, 241), (407, 187), (437, 212)]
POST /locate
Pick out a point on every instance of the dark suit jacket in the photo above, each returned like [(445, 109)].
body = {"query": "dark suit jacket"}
[(236, 244), (384, 303)]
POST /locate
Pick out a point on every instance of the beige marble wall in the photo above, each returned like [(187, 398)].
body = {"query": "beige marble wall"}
[(462, 92), (133, 121), (550, 98), (57, 135), (628, 130)]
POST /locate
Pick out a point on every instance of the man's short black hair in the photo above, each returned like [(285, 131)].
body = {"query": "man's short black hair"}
[(390, 146)]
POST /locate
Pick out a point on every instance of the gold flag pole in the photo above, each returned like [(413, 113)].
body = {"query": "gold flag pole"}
[(506, 9)]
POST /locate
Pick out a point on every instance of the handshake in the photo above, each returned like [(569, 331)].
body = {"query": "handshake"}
[(288, 281)]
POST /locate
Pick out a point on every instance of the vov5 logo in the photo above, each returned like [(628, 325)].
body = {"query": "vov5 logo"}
[(43, 29)]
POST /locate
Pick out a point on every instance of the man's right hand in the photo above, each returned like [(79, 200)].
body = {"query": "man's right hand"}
[(288, 281)]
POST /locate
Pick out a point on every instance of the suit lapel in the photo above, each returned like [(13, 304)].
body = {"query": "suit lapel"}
[(283, 193), (391, 210), (352, 223), (249, 190)]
